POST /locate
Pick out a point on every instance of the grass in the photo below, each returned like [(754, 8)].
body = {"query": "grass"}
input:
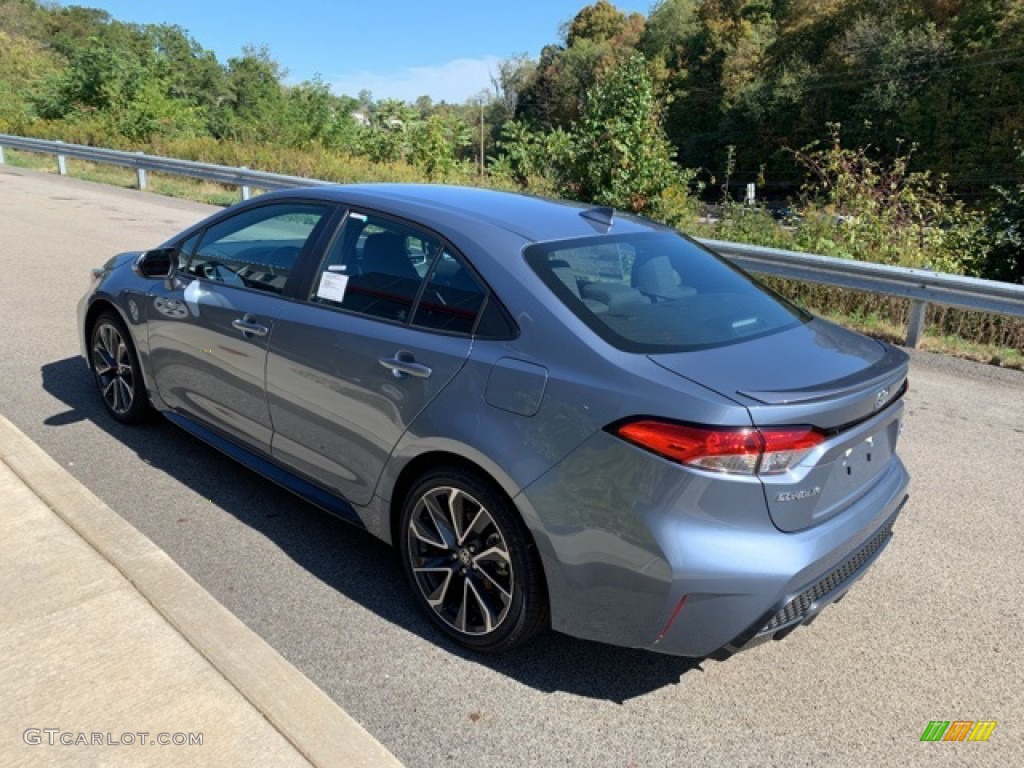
[(1004, 357), (886, 323)]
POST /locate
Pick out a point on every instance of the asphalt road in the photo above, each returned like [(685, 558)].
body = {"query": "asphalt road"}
[(934, 631)]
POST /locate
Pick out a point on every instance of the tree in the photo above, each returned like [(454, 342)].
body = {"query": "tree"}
[(670, 30), (310, 113), (25, 61), (598, 38), (255, 103), (192, 73), (868, 207), (512, 77), (597, 23), (70, 29), (531, 159), (24, 19), (620, 155), (1005, 223), (434, 143)]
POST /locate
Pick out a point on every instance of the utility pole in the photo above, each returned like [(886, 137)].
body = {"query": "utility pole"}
[(481, 136)]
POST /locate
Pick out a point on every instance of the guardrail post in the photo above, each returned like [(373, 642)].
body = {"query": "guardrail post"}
[(62, 162), (140, 174), (1, 155), (246, 191), (915, 323)]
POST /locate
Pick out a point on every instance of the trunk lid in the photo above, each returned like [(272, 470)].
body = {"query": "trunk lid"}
[(846, 385)]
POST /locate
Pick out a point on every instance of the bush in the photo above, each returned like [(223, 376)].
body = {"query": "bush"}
[(856, 206), (1005, 231)]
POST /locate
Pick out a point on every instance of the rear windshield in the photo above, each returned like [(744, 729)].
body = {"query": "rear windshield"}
[(659, 292)]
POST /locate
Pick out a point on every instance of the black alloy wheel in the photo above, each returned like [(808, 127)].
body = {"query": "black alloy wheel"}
[(471, 561)]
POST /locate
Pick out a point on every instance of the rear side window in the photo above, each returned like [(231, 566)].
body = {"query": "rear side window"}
[(452, 298), (391, 270), (658, 292), (375, 267)]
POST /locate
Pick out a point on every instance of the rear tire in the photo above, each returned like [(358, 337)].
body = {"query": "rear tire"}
[(471, 562), (116, 370)]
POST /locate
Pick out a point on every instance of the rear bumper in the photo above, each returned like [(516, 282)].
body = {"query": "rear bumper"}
[(626, 537), (802, 607)]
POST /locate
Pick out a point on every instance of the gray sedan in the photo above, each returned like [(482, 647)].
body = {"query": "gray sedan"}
[(561, 416)]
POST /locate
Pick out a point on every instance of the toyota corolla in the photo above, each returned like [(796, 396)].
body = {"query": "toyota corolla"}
[(560, 416)]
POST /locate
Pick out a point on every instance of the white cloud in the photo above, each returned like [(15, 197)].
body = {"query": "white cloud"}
[(453, 82)]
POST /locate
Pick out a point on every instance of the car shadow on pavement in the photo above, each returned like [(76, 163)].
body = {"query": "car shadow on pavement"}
[(343, 557)]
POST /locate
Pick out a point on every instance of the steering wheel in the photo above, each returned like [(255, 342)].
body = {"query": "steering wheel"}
[(221, 273)]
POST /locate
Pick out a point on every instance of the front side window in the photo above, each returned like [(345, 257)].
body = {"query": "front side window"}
[(256, 248), (658, 292), (185, 250)]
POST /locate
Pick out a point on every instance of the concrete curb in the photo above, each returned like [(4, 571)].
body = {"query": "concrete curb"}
[(312, 722)]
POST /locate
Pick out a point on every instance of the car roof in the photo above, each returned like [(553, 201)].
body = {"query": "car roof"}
[(439, 206)]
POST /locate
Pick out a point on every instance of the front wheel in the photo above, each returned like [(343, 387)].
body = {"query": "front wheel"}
[(471, 562), (115, 367)]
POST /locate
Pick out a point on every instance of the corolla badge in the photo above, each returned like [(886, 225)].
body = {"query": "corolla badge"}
[(881, 398), (803, 493)]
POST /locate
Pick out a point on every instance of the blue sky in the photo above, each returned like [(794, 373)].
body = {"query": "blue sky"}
[(393, 48)]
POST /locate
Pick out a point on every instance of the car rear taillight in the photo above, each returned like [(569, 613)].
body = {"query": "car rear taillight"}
[(744, 450)]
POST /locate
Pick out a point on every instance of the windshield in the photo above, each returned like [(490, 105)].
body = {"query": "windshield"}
[(659, 292)]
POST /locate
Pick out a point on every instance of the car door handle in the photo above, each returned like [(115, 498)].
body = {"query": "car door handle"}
[(249, 326), (404, 365)]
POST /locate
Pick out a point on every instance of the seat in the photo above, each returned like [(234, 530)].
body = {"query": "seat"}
[(654, 276), (564, 273), (618, 297), (385, 253), (385, 282)]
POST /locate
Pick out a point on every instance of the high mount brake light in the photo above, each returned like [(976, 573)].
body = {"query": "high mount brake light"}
[(745, 451)]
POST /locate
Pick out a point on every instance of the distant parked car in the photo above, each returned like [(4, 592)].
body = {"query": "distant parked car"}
[(787, 214), (560, 416)]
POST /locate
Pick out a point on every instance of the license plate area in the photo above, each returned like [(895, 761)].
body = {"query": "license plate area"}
[(848, 469), (859, 463)]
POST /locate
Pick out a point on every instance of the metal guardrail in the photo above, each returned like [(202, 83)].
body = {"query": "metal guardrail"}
[(920, 286), (243, 178)]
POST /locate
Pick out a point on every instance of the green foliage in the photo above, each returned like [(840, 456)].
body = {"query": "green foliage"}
[(23, 63), (1005, 231), (96, 79), (312, 161), (763, 76), (255, 107), (859, 206), (616, 154), (599, 22), (606, 112), (619, 153), (433, 143), (532, 160), (596, 41)]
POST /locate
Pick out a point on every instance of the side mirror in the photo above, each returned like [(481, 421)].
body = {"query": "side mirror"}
[(157, 263)]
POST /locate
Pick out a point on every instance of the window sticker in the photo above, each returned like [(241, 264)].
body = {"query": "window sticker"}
[(332, 286), (357, 216)]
